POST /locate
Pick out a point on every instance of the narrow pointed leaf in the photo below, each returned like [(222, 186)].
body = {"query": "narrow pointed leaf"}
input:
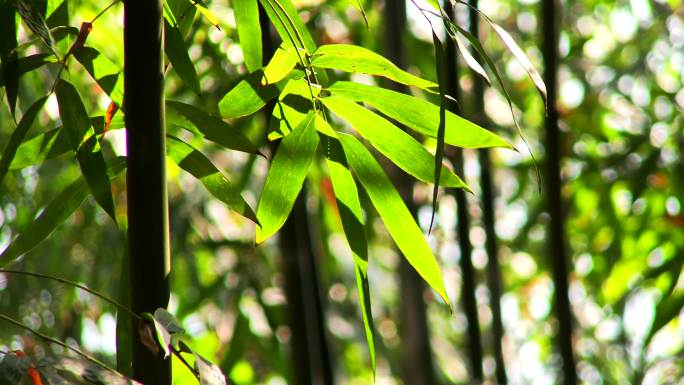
[(77, 125), (177, 52), (355, 59), (281, 64), (667, 310), (363, 12), (285, 177), (419, 115), (56, 212), (293, 104), (439, 151), (26, 64), (103, 71), (249, 31), (288, 24), (207, 14), (396, 217), (349, 207), (391, 141), (33, 18), (18, 136), (194, 162), (213, 128), (470, 59)]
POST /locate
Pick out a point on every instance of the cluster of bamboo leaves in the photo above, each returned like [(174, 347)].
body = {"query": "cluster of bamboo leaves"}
[(313, 119)]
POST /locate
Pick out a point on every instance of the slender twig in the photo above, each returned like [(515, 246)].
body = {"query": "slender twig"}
[(77, 285), (104, 10)]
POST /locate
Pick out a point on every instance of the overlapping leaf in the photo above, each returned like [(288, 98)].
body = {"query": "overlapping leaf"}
[(249, 32), (250, 95), (391, 141), (177, 52), (396, 217), (103, 71), (285, 177), (18, 135)]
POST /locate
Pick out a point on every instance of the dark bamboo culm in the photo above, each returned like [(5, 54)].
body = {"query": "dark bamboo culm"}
[(148, 224), (416, 354), (557, 243)]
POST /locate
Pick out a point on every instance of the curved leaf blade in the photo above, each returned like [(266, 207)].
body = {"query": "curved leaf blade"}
[(391, 141), (355, 59), (18, 136), (249, 95), (288, 24), (419, 115), (249, 32), (213, 128), (103, 71), (199, 166), (397, 218), (285, 177), (177, 52)]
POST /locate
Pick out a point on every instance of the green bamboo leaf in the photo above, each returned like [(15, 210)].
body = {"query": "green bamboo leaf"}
[(391, 141), (293, 104), (27, 64), (213, 20), (177, 52), (51, 144), (439, 151), (281, 64), (77, 125), (35, 21), (351, 215), (285, 177), (419, 115), (469, 58), (209, 373), (352, 58), (56, 212), (249, 32), (396, 217), (103, 71), (8, 53), (18, 136), (213, 128), (363, 12), (250, 95), (288, 24), (194, 162)]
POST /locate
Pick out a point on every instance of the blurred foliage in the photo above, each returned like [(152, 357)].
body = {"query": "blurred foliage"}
[(621, 101)]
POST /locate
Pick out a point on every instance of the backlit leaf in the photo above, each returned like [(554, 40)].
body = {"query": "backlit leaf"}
[(250, 95), (419, 115), (283, 61), (396, 217), (293, 104), (352, 58), (285, 177), (391, 141), (249, 32), (288, 24), (194, 162), (105, 73), (177, 52)]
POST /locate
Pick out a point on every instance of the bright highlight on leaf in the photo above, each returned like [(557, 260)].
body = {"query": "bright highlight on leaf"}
[(249, 31)]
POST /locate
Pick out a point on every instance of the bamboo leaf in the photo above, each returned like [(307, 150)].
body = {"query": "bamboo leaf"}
[(288, 24), (35, 21), (206, 13), (56, 212), (391, 141), (77, 125), (419, 115), (250, 95), (470, 59), (103, 71), (26, 64), (349, 208), (281, 64), (213, 128), (363, 12), (285, 177), (249, 31), (8, 55), (197, 164), (396, 217), (667, 310), (18, 136), (439, 151), (177, 53), (293, 104), (355, 59)]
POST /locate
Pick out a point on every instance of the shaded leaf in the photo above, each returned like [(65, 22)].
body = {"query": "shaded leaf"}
[(194, 162), (33, 18), (77, 125), (177, 52), (77, 371), (419, 115), (56, 212), (249, 32), (667, 310), (27, 64), (18, 135), (103, 71), (285, 177), (288, 24), (351, 215), (391, 141), (397, 218), (352, 58), (214, 128), (166, 326), (293, 104)]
